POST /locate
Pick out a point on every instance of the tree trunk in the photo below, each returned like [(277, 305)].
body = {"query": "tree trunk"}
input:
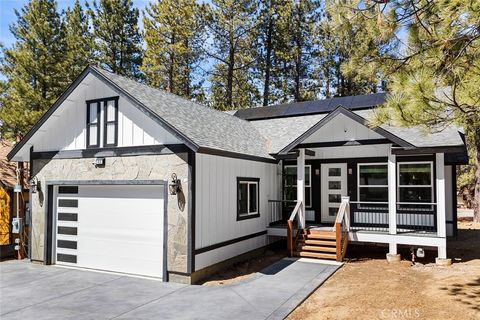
[(268, 63), (230, 66), (476, 208)]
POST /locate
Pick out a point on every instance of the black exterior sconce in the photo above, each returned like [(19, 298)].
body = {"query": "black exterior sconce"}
[(174, 186)]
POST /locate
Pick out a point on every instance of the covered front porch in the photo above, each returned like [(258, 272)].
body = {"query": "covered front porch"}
[(398, 199)]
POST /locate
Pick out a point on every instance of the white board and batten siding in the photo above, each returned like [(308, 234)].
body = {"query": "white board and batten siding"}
[(66, 129), (216, 206), (342, 128)]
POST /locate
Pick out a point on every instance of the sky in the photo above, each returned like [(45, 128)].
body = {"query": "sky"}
[(7, 15)]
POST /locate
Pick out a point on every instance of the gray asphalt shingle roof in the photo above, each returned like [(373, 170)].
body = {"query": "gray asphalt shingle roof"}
[(206, 127), (210, 128)]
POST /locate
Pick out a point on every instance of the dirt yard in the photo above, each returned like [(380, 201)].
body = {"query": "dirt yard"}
[(373, 289)]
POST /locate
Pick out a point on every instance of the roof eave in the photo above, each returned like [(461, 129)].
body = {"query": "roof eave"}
[(354, 117)]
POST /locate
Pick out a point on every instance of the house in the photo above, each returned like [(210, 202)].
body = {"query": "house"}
[(131, 179)]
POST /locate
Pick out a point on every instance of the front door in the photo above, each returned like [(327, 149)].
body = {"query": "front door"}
[(334, 186)]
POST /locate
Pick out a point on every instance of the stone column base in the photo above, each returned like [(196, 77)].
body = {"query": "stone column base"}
[(393, 258), (443, 262)]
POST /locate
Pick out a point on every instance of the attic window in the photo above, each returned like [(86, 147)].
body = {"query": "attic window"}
[(93, 124), (110, 123), (102, 111)]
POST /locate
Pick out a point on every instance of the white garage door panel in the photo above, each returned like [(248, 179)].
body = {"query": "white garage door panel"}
[(120, 228)]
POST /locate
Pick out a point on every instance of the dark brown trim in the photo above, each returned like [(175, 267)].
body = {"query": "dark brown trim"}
[(143, 108), (90, 124), (341, 110), (74, 85), (184, 274), (112, 152), (30, 165), (249, 216), (343, 143), (49, 226), (229, 242), (234, 155), (48, 113), (413, 151), (106, 122), (454, 200), (191, 212)]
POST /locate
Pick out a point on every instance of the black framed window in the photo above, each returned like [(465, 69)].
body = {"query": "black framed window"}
[(110, 127), (373, 182), (104, 111), (415, 182), (93, 124), (248, 195)]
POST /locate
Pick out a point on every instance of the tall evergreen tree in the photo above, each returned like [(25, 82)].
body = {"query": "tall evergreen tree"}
[(340, 36), (34, 66), (232, 27), (295, 49), (174, 35), (434, 79), (265, 53), (117, 37), (78, 39)]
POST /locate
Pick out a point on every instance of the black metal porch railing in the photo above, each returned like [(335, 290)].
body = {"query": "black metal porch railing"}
[(416, 217), (411, 217), (369, 216)]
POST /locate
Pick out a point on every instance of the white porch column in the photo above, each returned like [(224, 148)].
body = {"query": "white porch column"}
[(301, 184), (440, 199), (392, 194)]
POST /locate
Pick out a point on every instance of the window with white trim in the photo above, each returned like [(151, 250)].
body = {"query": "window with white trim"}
[(415, 182), (248, 198), (373, 182), (290, 184)]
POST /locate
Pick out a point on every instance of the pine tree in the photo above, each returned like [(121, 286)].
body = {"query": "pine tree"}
[(232, 26), (295, 49), (342, 38), (34, 67), (174, 35), (78, 39), (117, 37), (434, 80)]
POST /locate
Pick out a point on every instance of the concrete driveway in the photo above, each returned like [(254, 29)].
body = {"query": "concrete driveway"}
[(33, 291)]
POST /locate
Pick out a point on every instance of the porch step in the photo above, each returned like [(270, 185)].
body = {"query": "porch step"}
[(317, 248), (308, 254), (321, 235), (319, 242)]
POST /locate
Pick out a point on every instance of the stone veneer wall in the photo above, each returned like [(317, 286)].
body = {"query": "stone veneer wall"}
[(147, 167)]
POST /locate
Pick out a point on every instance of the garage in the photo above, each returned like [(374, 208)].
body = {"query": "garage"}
[(117, 228)]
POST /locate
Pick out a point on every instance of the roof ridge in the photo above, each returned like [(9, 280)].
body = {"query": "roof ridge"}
[(98, 68)]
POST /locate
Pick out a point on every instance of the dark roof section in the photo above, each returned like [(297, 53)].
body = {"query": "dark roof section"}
[(312, 107)]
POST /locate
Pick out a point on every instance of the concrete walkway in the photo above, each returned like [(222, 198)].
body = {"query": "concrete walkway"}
[(32, 291)]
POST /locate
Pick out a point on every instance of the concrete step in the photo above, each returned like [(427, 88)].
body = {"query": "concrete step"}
[(317, 248), (317, 255)]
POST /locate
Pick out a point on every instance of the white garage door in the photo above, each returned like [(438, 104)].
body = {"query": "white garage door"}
[(111, 227)]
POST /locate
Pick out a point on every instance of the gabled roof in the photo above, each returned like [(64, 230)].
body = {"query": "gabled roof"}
[(199, 127), (268, 130), (312, 107)]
